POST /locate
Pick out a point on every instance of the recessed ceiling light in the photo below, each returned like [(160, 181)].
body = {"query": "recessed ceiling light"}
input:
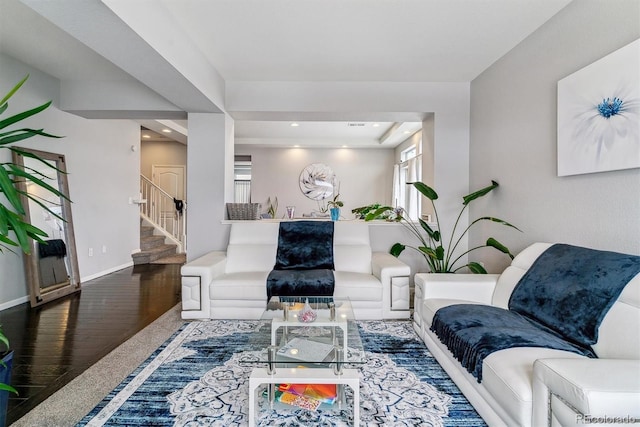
[(146, 136), (166, 130), (294, 125), (376, 125), (407, 132), (296, 146), (345, 146)]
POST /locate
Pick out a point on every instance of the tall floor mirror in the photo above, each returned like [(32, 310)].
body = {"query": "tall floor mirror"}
[(51, 267)]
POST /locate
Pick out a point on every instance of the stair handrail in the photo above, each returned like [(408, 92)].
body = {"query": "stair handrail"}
[(169, 221)]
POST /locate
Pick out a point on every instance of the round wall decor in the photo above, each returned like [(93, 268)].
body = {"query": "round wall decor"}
[(316, 181)]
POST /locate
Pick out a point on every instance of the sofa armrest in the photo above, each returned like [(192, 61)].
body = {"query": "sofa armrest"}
[(573, 391), (196, 277), (394, 277), (467, 287)]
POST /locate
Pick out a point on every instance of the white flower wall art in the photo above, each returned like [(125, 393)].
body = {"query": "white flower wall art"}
[(599, 115)]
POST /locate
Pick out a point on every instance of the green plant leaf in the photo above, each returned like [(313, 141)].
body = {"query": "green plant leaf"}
[(498, 220), (470, 197), (499, 246), (25, 114), (14, 90), (440, 253), (425, 190), (476, 268), (10, 192), (16, 171), (397, 249), (17, 225), (8, 388), (428, 251), (434, 234), (377, 213), (14, 136)]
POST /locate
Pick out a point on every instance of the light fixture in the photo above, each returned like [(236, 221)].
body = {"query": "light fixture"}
[(294, 125), (146, 136), (407, 132), (345, 146), (166, 130), (376, 125)]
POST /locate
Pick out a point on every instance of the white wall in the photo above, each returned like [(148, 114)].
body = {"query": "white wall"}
[(364, 175), (513, 139), (103, 173), (161, 153)]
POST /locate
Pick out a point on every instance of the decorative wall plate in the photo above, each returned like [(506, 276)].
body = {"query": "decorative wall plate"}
[(316, 181)]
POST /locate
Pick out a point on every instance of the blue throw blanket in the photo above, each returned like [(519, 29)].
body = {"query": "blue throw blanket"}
[(570, 289), (304, 260), (472, 332), (559, 303)]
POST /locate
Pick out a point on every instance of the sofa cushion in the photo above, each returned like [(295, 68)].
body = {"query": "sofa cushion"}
[(570, 289), (508, 376), (619, 338), (243, 285), (305, 245), (512, 275), (352, 247), (252, 247), (357, 286), (431, 305)]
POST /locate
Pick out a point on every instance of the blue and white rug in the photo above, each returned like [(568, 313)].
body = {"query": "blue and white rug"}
[(197, 378)]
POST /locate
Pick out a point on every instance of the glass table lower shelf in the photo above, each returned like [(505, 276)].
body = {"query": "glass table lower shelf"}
[(326, 351)]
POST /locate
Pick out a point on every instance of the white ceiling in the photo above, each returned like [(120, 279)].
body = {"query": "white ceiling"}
[(358, 40), (295, 40)]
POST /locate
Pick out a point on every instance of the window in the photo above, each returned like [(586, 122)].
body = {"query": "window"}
[(405, 173), (242, 179)]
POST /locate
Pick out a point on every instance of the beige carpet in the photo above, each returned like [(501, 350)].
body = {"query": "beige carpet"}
[(72, 402)]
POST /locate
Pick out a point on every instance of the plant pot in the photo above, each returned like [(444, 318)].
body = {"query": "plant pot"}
[(5, 378), (335, 214)]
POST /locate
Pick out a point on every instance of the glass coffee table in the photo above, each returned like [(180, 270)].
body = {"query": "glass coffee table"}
[(299, 358)]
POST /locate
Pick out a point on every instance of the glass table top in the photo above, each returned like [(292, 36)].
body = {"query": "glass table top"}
[(329, 335)]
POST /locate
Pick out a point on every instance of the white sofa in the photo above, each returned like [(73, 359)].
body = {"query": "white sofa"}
[(539, 386), (232, 284)]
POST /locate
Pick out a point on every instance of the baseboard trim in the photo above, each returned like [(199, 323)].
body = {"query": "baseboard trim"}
[(14, 302), (85, 279)]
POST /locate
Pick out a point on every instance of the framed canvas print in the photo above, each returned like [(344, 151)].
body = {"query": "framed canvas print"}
[(599, 115)]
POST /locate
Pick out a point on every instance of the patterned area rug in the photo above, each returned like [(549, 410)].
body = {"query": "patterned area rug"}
[(198, 378)]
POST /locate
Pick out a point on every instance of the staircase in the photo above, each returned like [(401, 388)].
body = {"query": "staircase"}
[(152, 247), (160, 222)]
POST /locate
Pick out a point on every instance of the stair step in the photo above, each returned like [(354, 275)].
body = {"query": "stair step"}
[(146, 230), (150, 242), (147, 256)]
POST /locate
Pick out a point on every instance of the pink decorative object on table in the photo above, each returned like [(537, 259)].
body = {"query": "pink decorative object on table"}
[(307, 315)]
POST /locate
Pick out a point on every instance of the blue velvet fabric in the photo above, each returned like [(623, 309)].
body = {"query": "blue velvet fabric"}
[(570, 289), (472, 332), (305, 245), (304, 260), (300, 283)]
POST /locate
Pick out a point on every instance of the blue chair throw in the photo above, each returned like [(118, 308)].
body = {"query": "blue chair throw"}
[(304, 260)]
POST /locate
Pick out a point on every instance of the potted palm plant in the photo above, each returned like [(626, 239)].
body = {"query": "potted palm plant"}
[(440, 253), (15, 232)]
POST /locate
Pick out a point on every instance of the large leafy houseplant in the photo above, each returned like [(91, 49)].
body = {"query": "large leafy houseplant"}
[(15, 232), (441, 254)]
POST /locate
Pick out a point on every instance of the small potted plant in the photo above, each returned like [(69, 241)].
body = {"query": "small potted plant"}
[(334, 207)]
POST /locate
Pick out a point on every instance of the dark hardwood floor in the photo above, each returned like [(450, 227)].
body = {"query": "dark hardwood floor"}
[(58, 341)]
